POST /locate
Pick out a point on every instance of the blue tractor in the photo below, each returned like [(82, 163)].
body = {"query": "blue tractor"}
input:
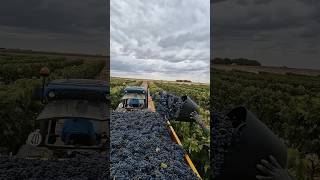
[(135, 98)]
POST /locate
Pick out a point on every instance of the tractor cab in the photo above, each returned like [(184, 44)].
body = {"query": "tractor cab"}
[(74, 124), (135, 98), (75, 116)]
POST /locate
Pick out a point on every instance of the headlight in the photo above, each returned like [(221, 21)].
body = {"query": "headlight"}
[(51, 94)]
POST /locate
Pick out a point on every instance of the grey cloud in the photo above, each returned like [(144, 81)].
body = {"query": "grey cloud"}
[(257, 2), (78, 20), (216, 1), (57, 15), (282, 32), (127, 64), (180, 40), (165, 37), (262, 1)]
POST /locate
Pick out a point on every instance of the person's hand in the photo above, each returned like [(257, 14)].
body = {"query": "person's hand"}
[(272, 170)]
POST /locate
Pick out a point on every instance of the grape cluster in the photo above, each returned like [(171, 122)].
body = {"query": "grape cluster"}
[(223, 136), (168, 105), (141, 148)]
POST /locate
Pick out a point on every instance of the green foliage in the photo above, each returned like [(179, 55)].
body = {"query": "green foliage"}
[(19, 77), (198, 93), (117, 85), (17, 112), (15, 67), (87, 70), (287, 104)]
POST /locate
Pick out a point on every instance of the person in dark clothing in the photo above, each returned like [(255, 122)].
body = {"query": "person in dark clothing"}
[(78, 131), (272, 170)]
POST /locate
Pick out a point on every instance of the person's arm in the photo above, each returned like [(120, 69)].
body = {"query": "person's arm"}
[(272, 170)]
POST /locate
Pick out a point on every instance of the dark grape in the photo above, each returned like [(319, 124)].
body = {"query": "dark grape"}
[(223, 136), (81, 166), (141, 148)]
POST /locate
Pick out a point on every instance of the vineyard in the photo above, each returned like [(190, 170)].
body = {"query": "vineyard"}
[(288, 104), (194, 140), (19, 78)]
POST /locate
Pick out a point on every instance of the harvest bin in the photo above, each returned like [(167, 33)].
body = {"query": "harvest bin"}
[(188, 106), (256, 142)]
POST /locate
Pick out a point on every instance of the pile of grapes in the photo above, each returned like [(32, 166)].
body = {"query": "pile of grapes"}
[(80, 166), (223, 136), (168, 105), (141, 148)]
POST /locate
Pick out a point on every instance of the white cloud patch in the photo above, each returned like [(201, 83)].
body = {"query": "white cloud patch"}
[(167, 39)]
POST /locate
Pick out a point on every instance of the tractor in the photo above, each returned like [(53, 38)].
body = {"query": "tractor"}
[(135, 98), (75, 118)]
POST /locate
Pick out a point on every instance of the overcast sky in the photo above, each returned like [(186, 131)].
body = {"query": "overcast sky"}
[(167, 39), (275, 32), (79, 26)]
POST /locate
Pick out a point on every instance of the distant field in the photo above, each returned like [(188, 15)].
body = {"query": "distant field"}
[(268, 69), (51, 54), (164, 81)]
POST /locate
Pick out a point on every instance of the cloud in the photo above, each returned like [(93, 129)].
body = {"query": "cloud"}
[(160, 38), (285, 32), (216, 1), (48, 24)]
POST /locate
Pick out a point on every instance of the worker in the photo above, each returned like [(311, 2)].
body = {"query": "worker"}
[(255, 152), (271, 169), (78, 131)]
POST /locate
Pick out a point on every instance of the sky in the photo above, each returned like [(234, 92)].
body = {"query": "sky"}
[(77, 26), (167, 39), (274, 32)]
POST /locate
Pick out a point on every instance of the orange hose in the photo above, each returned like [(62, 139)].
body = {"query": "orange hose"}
[(175, 137)]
